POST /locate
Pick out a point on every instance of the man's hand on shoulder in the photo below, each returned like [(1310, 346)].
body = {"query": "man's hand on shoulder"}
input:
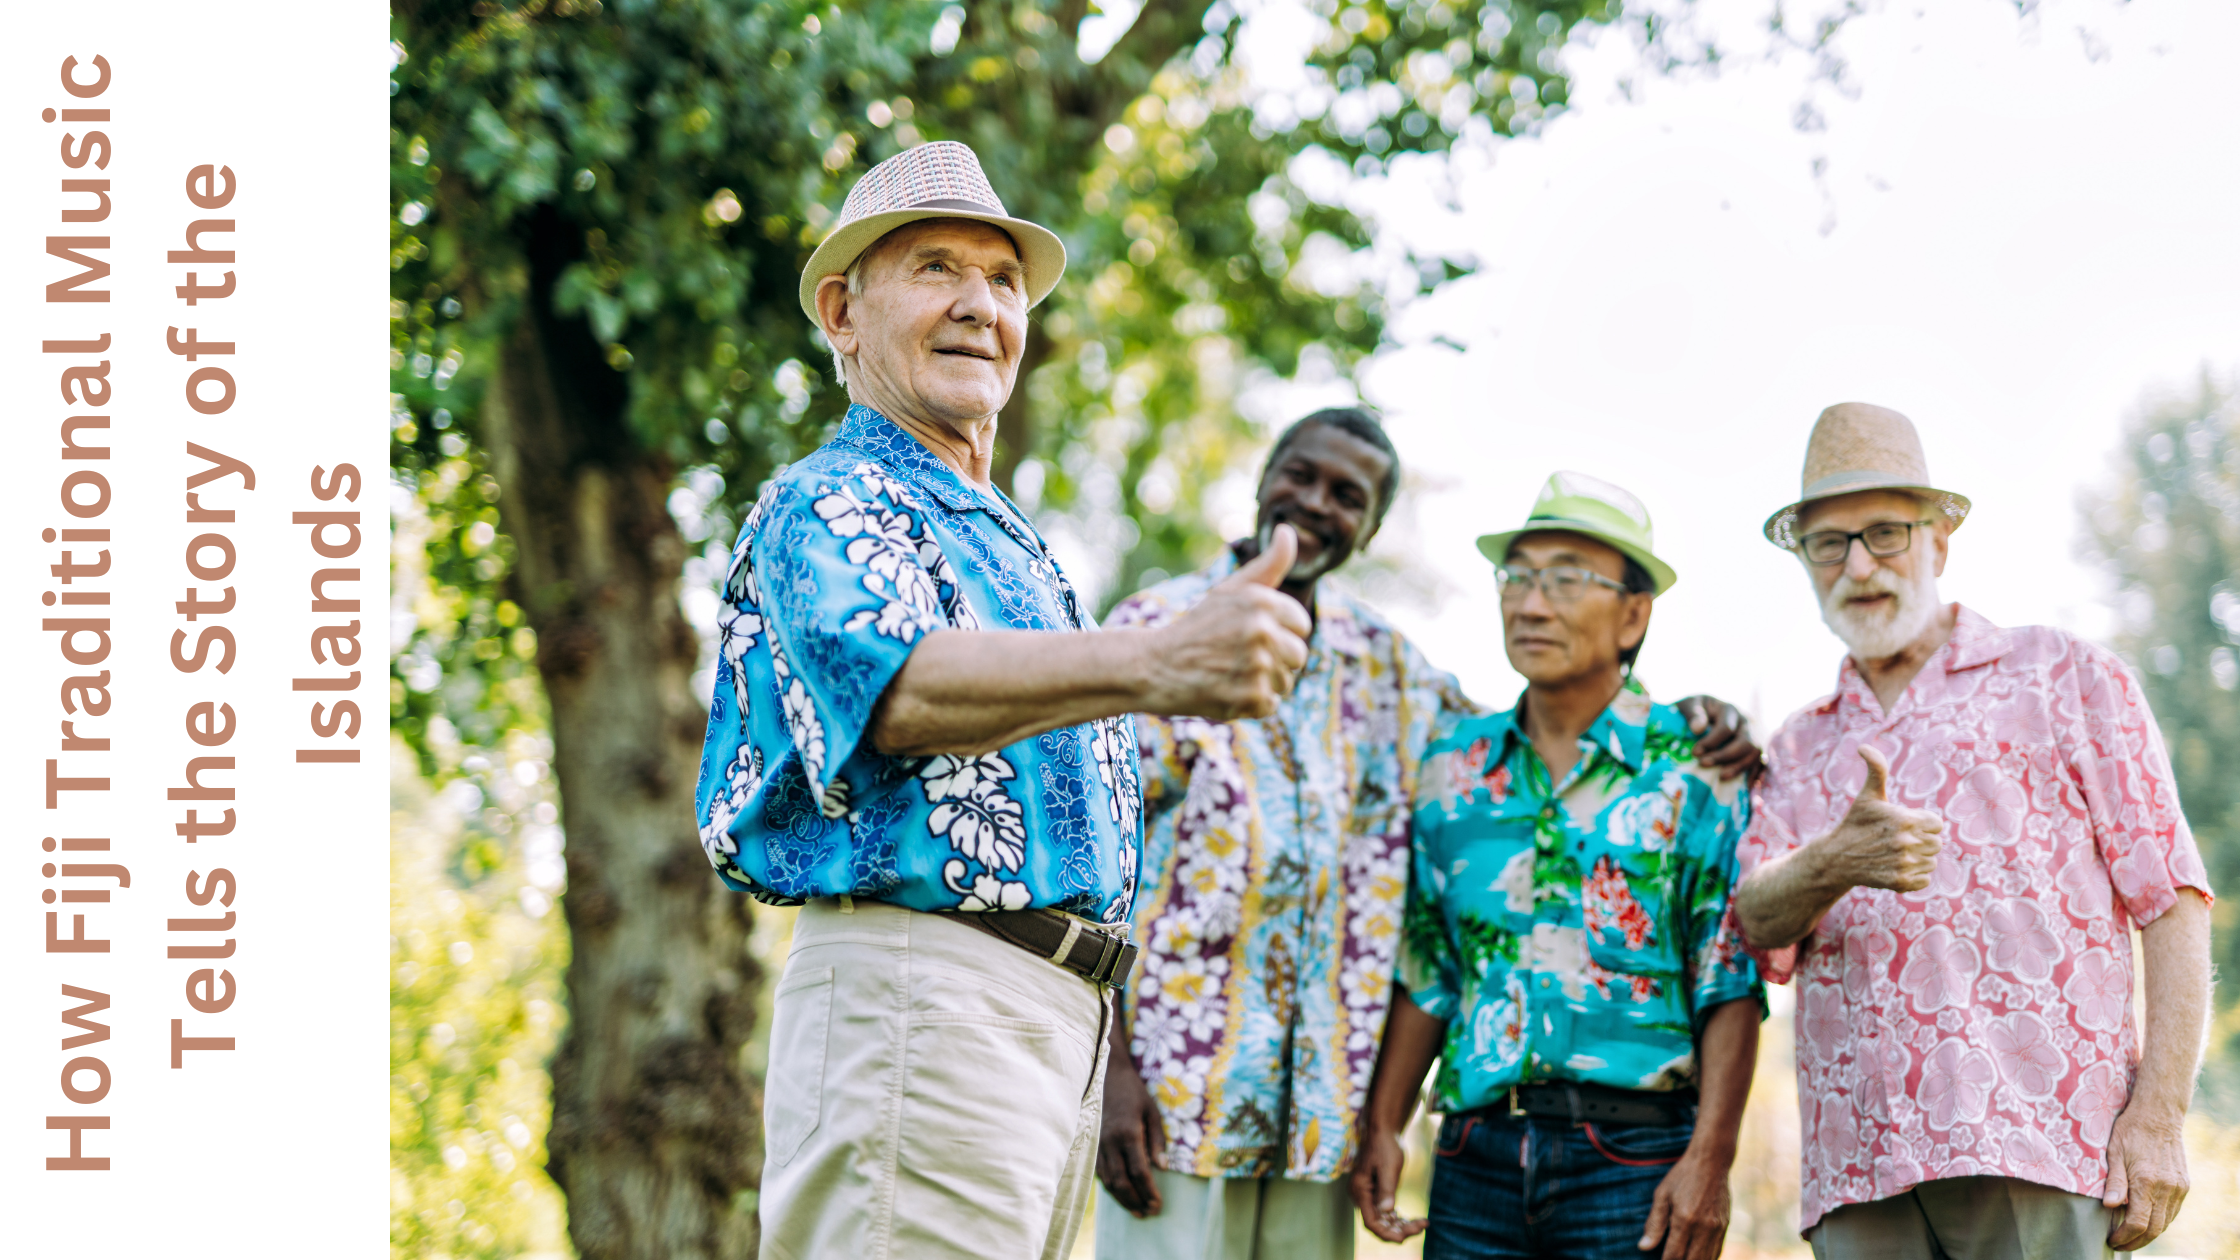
[(1723, 740), (1237, 652)]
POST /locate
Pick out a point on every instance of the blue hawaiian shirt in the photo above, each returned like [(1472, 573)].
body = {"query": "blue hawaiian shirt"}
[(849, 558), (1573, 931)]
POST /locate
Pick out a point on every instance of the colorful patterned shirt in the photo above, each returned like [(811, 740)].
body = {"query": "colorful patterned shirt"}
[(1981, 1026), (1275, 859), (1578, 931), (847, 561)]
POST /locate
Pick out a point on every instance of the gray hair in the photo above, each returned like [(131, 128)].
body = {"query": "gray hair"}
[(854, 275)]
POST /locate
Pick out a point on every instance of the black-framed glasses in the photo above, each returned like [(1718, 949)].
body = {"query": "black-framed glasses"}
[(1562, 584), (1884, 538)]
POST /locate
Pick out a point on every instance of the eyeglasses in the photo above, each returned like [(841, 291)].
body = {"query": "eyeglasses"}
[(1562, 584), (1831, 546)]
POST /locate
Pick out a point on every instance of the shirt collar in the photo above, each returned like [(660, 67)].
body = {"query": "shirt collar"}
[(1620, 733), (1976, 640), (872, 433), (913, 461)]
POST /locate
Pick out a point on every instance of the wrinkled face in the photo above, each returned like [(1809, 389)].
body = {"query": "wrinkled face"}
[(1325, 485), (1551, 642), (941, 322), (1878, 605)]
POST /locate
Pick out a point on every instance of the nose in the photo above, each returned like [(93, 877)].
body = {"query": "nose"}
[(1535, 605), (976, 300), (1858, 563)]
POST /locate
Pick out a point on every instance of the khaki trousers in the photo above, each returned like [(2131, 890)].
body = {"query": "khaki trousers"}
[(1231, 1218), (1968, 1218), (932, 1092)]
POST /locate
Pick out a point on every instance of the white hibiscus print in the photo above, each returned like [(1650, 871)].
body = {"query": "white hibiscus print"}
[(2085, 883), (1115, 765), (2023, 1048), (1837, 1133), (883, 541), (2100, 989), (971, 809), (736, 630), (1649, 821), (2099, 1096), (802, 722), (742, 778), (2018, 940), (1940, 970), (2028, 1155), (1956, 1082), (983, 892), (1988, 807), (1824, 1025)]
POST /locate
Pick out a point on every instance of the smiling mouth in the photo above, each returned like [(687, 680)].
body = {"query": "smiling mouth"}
[(966, 353)]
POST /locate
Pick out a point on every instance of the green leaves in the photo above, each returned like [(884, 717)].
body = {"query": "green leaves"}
[(2168, 532)]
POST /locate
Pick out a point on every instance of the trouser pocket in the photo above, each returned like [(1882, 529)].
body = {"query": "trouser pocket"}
[(793, 1097)]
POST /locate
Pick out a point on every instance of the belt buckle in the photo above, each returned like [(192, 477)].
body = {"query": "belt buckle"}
[(1115, 956), (1516, 1108)]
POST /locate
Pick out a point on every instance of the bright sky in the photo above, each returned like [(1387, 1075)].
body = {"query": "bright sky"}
[(2027, 224)]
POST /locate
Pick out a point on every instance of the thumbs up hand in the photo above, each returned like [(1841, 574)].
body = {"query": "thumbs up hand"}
[(1235, 654), (1881, 845)]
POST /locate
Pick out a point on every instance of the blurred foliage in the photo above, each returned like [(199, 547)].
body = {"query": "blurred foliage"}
[(2169, 533), (690, 154), (475, 952)]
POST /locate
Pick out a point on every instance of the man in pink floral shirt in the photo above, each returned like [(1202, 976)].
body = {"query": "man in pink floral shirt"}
[(1949, 856)]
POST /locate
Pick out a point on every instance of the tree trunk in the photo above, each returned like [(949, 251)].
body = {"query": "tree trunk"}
[(1015, 423), (656, 1125)]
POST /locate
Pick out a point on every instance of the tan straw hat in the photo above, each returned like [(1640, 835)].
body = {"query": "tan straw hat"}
[(1859, 446), (940, 180)]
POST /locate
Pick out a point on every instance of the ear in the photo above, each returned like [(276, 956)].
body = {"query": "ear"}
[(836, 316), (1941, 539), (1635, 624)]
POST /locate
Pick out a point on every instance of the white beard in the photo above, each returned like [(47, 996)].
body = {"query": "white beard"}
[(1878, 634)]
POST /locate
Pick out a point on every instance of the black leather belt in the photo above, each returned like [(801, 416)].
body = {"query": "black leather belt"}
[(1599, 1104), (1098, 956)]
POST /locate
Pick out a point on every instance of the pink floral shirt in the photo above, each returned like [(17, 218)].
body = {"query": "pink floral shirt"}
[(1982, 1026)]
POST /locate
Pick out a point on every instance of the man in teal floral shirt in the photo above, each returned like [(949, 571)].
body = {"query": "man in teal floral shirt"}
[(1568, 952)]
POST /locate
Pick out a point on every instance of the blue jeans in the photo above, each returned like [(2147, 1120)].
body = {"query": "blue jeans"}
[(1515, 1186)]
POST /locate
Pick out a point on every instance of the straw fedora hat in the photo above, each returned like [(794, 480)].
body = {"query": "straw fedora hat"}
[(1859, 446), (940, 180)]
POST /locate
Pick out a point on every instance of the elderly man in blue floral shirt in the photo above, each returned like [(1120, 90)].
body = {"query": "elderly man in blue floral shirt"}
[(914, 738), (1569, 953)]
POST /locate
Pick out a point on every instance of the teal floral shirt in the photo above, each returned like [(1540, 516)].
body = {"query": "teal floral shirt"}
[(1577, 931)]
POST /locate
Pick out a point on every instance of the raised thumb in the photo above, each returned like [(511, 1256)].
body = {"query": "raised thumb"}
[(1878, 771), (1274, 562)]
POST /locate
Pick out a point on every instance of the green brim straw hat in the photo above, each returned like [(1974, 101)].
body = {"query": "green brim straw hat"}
[(1578, 504)]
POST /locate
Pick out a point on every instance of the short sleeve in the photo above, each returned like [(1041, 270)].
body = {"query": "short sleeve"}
[(1719, 968), (2130, 792), (1427, 964), (851, 582), (1766, 838)]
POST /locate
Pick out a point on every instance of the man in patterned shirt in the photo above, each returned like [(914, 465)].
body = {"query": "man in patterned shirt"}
[(1568, 955), (911, 734), (1949, 855)]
